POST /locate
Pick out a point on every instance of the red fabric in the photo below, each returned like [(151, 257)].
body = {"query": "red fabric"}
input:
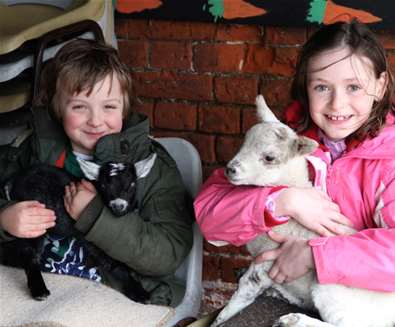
[(60, 161)]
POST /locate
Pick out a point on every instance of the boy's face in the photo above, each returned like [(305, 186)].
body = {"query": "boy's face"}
[(87, 118)]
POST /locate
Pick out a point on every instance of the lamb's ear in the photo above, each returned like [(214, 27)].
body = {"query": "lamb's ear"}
[(305, 145), (263, 111)]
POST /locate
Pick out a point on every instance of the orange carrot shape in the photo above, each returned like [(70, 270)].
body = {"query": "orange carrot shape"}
[(327, 12), (128, 6), (230, 9)]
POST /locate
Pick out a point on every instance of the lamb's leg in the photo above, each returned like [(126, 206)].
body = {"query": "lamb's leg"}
[(131, 287), (251, 285), (30, 255), (300, 320)]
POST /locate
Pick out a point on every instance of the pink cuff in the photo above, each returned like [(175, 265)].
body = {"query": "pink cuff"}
[(271, 219)]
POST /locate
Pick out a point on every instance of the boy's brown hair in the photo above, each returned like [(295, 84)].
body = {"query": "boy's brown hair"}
[(78, 66)]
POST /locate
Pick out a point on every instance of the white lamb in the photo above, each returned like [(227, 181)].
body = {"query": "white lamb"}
[(273, 154)]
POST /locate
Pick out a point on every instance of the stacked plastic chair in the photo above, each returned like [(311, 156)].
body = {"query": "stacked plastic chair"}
[(31, 32)]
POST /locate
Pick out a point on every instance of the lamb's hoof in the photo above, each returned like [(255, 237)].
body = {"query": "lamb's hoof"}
[(289, 320), (40, 294)]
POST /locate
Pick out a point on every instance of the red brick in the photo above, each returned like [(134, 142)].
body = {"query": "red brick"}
[(167, 133), (171, 85), (169, 30), (391, 61), (285, 36), (233, 89), (227, 147), (227, 249), (121, 28), (133, 53), (211, 267), (258, 59), (203, 31), (249, 118), (228, 32), (232, 267), (219, 119), (176, 116), (277, 92), (387, 38), (275, 61), (174, 55), (173, 30), (205, 144), (285, 62), (137, 29), (219, 57), (146, 108)]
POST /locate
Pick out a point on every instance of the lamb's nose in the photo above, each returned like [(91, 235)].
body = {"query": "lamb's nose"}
[(230, 171), (119, 206)]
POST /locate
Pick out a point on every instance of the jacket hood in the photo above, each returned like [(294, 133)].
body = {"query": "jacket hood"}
[(131, 144), (380, 147)]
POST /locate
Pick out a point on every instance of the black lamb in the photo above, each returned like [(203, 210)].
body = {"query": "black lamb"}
[(46, 184)]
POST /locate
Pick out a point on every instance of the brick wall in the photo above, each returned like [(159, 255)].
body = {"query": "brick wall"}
[(199, 81)]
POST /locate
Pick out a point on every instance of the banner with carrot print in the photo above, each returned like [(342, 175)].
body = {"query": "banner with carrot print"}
[(297, 13)]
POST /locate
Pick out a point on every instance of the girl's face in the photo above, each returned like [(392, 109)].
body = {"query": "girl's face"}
[(86, 118), (341, 95)]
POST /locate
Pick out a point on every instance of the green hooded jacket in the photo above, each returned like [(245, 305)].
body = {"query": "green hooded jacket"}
[(154, 240)]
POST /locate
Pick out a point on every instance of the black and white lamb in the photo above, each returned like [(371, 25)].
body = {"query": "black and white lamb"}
[(273, 154), (116, 184)]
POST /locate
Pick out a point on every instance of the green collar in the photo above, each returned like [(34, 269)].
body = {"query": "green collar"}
[(71, 164)]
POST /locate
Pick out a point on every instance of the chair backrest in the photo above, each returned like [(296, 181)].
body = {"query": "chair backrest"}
[(188, 161), (189, 165)]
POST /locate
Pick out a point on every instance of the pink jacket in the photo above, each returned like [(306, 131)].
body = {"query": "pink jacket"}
[(361, 182)]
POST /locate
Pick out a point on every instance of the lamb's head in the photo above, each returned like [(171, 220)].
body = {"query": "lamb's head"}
[(268, 150), (117, 186)]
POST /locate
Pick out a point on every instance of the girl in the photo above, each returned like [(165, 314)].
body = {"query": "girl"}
[(343, 88), (92, 102)]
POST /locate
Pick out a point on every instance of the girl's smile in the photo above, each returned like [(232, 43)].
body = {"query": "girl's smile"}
[(338, 118)]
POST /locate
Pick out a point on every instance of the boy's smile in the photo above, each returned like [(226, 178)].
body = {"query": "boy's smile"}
[(88, 117), (342, 89)]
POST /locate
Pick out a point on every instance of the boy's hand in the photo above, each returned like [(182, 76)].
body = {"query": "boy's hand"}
[(27, 219), (77, 197), (314, 210), (292, 259)]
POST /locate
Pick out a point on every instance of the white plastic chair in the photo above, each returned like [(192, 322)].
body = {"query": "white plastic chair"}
[(189, 164)]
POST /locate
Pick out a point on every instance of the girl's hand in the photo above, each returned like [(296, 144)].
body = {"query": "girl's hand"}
[(292, 259), (77, 197), (313, 209), (27, 219)]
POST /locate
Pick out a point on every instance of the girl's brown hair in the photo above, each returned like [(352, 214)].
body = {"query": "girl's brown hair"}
[(78, 66), (362, 42)]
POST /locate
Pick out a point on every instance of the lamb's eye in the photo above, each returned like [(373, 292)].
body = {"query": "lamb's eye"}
[(268, 158)]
